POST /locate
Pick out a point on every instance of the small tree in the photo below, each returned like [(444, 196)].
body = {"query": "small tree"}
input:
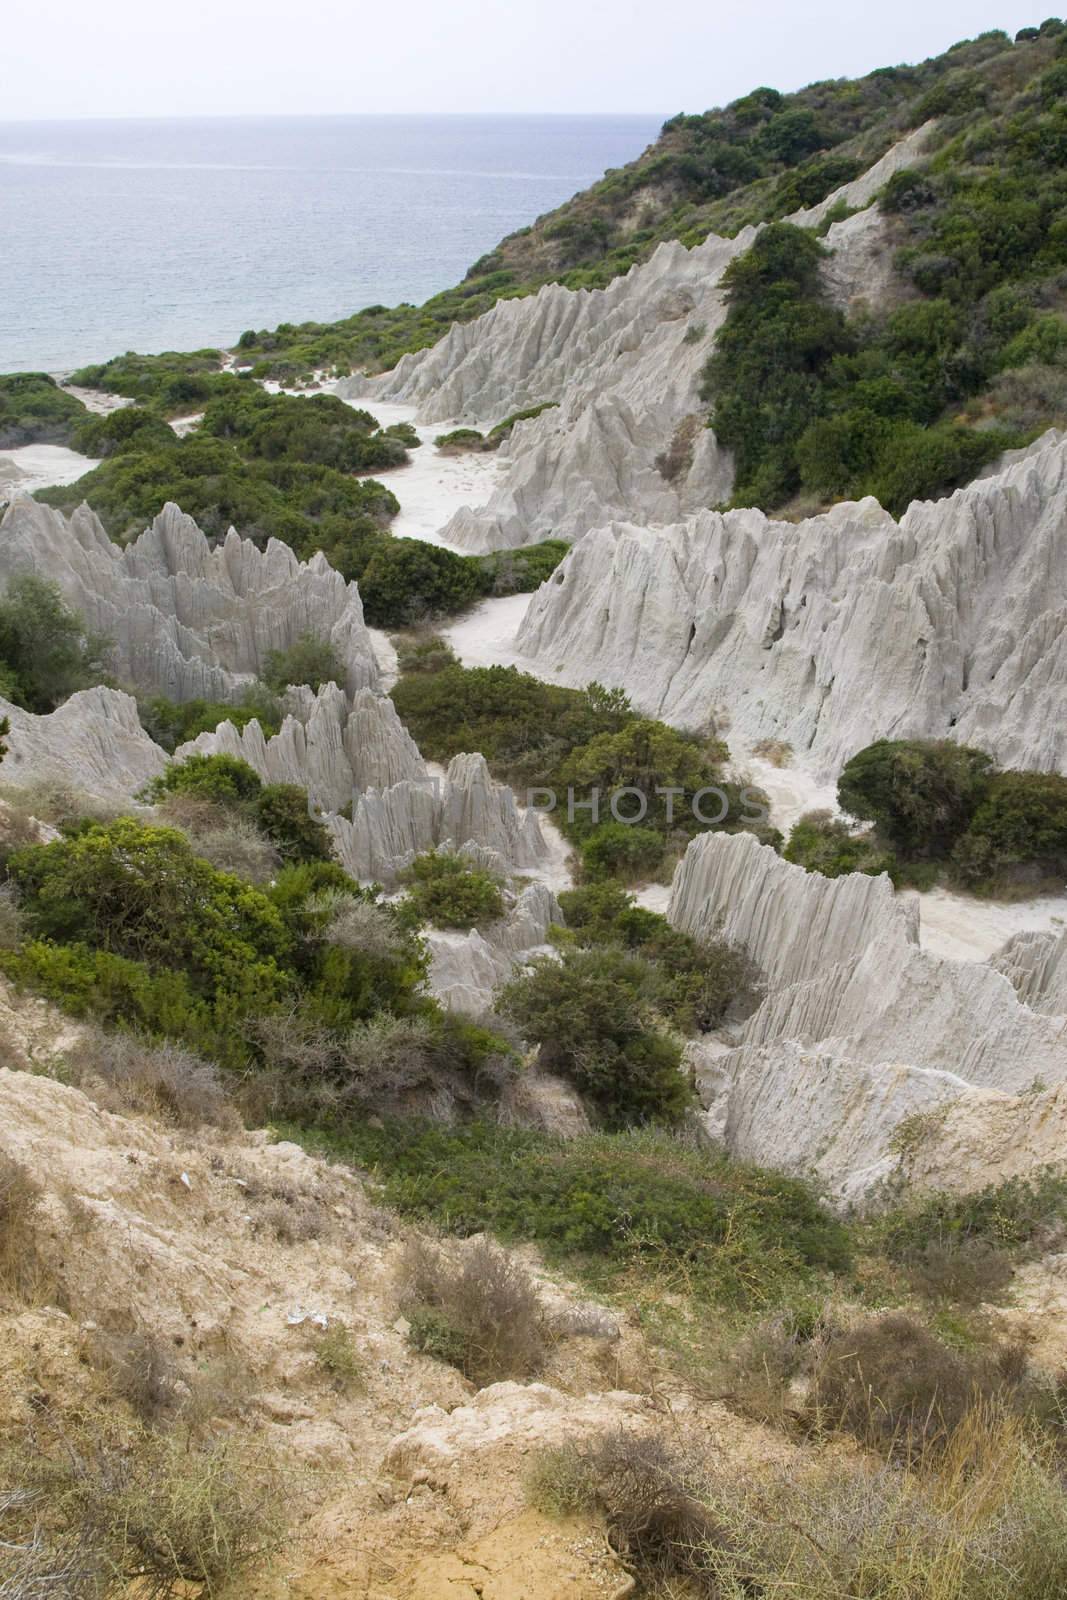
[(46, 651), (921, 793), (312, 660)]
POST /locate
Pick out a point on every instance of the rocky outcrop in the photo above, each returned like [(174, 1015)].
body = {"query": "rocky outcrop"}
[(1036, 963), (93, 744), (837, 630), (333, 748), (465, 968), (624, 364), (389, 827), (859, 1029), (186, 618)]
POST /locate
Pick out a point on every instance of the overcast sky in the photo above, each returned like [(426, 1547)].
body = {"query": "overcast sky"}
[(76, 58)]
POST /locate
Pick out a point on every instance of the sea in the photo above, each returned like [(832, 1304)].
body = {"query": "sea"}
[(179, 234)]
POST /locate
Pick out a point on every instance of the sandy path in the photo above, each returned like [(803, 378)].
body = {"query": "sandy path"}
[(432, 487), (41, 466)]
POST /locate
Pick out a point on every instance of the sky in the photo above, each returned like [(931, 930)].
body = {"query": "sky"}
[(147, 58)]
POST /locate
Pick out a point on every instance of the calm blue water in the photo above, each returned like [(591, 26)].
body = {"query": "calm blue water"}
[(150, 236)]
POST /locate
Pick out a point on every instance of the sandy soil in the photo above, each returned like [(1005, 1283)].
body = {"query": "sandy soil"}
[(94, 399), (432, 486), (42, 466)]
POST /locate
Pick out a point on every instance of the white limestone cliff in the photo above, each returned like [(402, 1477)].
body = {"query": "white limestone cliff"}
[(837, 630), (187, 619), (391, 826), (93, 744), (859, 1029), (465, 968), (333, 748), (624, 365)]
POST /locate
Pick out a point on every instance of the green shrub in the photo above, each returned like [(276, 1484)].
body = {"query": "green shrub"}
[(611, 1203), (592, 1015), (406, 581), (224, 779), (282, 811), (824, 843), (921, 793), (139, 892), (320, 430), (312, 660), (460, 439), (427, 652), (448, 891), (520, 571), (693, 984), (621, 850), (171, 724), (46, 651), (1018, 832), (173, 382), (35, 410), (645, 756), (128, 428)]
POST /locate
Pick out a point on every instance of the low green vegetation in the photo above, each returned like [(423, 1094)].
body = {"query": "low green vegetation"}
[(311, 660), (611, 1204), (46, 651), (279, 810), (319, 430), (539, 737), (35, 410), (462, 440), (171, 724), (172, 383), (449, 891), (941, 807), (814, 404)]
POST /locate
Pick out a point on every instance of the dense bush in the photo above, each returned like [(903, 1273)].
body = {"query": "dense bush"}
[(312, 660), (448, 891), (825, 843), (46, 651), (171, 724), (128, 428), (1017, 834), (309, 507), (693, 984), (406, 581), (35, 410), (921, 793), (613, 1202), (592, 1014), (810, 402), (172, 382), (280, 811), (321, 429)]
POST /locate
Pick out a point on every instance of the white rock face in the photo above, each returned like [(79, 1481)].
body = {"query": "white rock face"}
[(624, 363), (465, 968), (1036, 963), (187, 620), (389, 827), (837, 630), (332, 748), (93, 743), (618, 363), (859, 1029)]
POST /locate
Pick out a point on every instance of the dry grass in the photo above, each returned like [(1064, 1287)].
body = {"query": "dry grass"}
[(894, 1386), (156, 1515), (22, 1273), (477, 1309), (337, 1357), (141, 1370), (123, 1072), (984, 1520), (779, 752), (230, 843)]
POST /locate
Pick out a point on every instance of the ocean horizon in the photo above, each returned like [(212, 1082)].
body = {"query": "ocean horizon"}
[(150, 235)]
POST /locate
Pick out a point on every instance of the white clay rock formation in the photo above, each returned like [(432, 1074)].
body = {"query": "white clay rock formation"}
[(465, 968), (93, 743), (858, 1029), (837, 630), (186, 619), (624, 365), (333, 748), (389, 827)]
